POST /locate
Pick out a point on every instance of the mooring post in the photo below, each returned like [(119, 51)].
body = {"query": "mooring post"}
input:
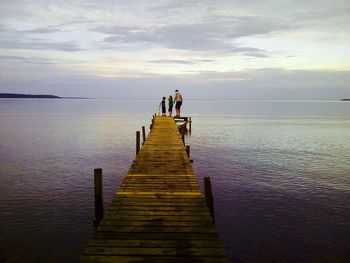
[(98, 196), (143, 134), (209, 196), (190, 124), (188, 150), (183, 134), (137, 142)]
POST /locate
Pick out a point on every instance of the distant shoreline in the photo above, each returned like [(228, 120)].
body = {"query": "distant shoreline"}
[(27, 96), (34, 96), (345, 100)]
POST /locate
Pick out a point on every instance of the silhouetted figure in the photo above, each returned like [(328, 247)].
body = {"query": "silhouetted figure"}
[(162, 103), (170, 105), (178, 102)]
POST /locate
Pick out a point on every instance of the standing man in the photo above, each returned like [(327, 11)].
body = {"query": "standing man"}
[(178, 102)]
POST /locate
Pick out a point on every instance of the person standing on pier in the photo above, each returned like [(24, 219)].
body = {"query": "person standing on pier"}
[(170, 105), (162, 103), (178, 102)]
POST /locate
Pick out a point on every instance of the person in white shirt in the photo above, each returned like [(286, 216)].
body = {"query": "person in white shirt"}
[(178, 102)]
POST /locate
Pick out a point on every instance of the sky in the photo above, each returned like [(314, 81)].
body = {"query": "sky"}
[(232, 49)]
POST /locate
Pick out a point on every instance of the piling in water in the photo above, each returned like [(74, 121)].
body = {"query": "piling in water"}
[(143, 134), (98, 196), (183, 133), (137, 142), (209, 196), (188, 150)]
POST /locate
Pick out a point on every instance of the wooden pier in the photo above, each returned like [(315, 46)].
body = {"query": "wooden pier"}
[(159, 213)]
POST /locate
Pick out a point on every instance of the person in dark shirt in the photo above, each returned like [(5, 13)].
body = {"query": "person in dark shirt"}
[(162, 103)]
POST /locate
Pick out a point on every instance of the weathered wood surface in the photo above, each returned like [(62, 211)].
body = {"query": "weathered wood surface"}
[(159, 213)]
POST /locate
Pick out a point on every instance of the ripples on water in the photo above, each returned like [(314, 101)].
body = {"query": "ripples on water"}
[(280, 174)]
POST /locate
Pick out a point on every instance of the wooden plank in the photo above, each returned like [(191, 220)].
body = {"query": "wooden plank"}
[(175, 193), (161, 185), (155, 251), (154, 243), (164, 197), (157, 213), (158, 223), (152, 259), (149, 177), (164, 218), (161, 176), (155, 229), (196, 209), (159, 236), (146, 203)]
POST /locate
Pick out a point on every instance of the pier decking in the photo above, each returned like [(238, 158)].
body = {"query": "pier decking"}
[(159, 213)]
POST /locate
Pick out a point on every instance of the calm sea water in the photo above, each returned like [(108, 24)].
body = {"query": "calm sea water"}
[(280, 172)]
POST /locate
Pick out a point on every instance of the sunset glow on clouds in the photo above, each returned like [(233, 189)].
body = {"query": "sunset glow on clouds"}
[(105, 48)]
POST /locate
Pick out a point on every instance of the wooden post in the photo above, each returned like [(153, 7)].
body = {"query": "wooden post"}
[(183, 134), (209, 196), (137, 142), (188, 150), (190, 125), (98, 196), (143, 134)]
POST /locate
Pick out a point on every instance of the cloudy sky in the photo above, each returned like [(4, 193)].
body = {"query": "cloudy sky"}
[(239, 49)]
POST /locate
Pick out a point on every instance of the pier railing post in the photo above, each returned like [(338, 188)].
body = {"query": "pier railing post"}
[(98, 196), (143, 134), (183, 133), (190, 124), (209, 196), (152, 122), (188, 150), (137, 142)]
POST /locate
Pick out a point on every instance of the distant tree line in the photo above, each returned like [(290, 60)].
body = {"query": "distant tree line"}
[(27, 96)]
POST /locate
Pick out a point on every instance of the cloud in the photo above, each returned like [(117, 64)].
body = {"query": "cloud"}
[(26, 39), (42, 30), (256, 54), (172, 61), (29, 60), (180, 61), (282, 78), (324, 11), (77, 22), (39, 45), (216, 36)]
